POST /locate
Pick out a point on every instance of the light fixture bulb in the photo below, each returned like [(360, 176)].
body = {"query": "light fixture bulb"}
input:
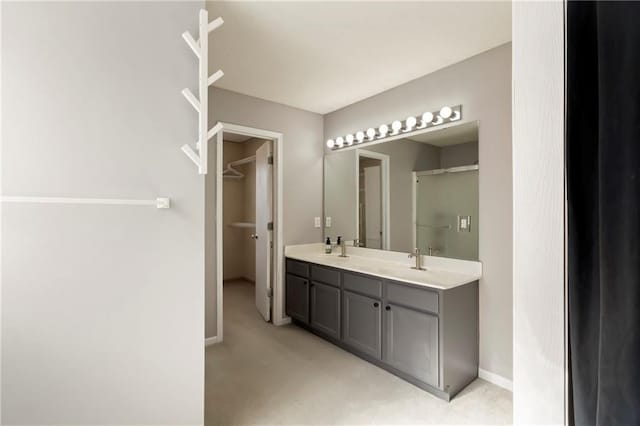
[(427, 118), (360, 136), (446, 112), (410, 123), (384, 129), (339, 142), (331, 143), (371, 133), (396, 126), (349, 139)]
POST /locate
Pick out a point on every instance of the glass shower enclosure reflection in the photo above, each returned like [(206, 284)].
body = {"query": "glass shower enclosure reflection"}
[(447, 212)]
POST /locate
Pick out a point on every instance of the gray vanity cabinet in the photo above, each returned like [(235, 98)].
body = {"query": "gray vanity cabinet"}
[(325, 309), (297, 290), (362, 323), (297, 298), (411, 342), (425, 335)]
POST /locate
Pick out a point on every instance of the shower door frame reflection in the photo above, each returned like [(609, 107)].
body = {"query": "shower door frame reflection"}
[(451, 224)]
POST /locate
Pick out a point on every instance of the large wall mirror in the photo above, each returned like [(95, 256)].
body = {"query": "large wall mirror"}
[(418, 191)]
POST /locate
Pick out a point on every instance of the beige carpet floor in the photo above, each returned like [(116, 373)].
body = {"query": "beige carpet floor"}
[(262, 374)]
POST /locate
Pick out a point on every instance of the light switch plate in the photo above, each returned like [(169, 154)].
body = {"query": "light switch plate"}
[(464, 223), (317, 223), (327, 222)]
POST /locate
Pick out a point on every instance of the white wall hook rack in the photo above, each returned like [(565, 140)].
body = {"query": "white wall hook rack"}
[(160, 202), (200, 103)]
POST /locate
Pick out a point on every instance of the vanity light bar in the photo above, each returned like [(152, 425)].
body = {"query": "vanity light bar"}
[(446, 114)]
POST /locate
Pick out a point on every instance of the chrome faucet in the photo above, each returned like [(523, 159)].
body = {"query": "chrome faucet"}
[(416, 253), (343, 249)]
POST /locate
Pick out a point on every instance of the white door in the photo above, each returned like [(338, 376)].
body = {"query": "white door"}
[(373, 206), (263, 234)]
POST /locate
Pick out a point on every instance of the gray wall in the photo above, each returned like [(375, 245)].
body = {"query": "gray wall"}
[(340, 194), (482, 84), (463, 154), (303, 151), (102, 314)]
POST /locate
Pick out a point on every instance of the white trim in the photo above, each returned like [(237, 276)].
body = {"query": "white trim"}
[(219, 250), (282, 321), (496, 379), (540, 370), (414, 204), (212, 341), (279, 317), (386, 208)]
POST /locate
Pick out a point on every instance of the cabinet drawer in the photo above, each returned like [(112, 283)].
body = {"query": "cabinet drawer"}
[(298, 268), (325, 275), (403, 294), (363, 285)]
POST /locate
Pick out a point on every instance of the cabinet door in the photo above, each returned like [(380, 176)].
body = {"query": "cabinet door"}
[(361, 328), (411, 342), (325, 309), (297, 294)]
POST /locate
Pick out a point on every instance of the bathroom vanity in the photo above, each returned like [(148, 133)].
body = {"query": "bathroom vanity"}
[(419, 325)]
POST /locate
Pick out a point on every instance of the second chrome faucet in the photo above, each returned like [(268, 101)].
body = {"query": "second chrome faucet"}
[(418, 255)]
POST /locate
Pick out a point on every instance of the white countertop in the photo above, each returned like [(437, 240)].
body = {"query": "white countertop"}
[(441, 273)]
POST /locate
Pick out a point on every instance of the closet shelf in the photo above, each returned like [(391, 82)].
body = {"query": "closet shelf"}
[(242, 225)]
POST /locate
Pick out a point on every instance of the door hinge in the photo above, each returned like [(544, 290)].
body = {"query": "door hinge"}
[(270, 159), (271, 244), (270, 292), (270, 226)]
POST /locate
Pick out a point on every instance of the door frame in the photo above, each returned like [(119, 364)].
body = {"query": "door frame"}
[(386, 227), (278, 316)]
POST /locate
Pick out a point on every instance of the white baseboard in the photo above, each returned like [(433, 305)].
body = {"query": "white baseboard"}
[(208, 341), (495, 379), (283, 321)]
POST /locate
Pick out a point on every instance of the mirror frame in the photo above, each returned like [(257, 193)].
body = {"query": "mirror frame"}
[(362, 147)]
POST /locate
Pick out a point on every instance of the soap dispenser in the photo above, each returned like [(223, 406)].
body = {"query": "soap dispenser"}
[(327, 246)]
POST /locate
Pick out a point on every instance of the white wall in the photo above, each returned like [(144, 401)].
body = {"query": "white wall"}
[(482, 84), (538, 203), (102, 313), (303, 154)]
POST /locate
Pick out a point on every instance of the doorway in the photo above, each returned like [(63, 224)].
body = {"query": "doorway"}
[(249, 197), (372, 199)]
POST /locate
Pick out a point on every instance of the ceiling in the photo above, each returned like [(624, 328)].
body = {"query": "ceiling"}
[(453, 135), (322, 56)]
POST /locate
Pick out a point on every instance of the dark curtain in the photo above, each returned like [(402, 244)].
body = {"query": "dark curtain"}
[(603, 190)]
